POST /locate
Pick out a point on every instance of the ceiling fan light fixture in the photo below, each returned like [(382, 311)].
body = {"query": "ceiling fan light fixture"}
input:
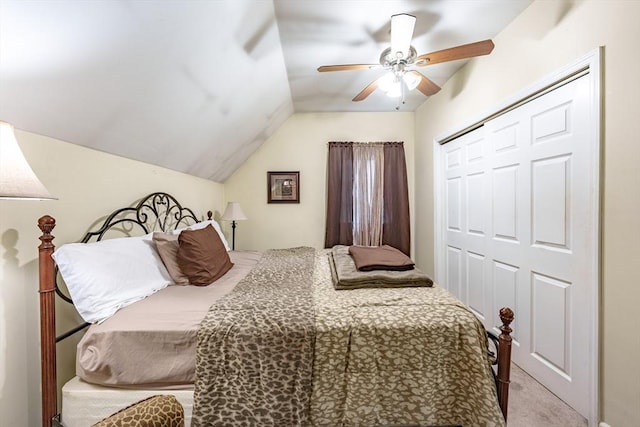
[(395, 91), (411, 80), (386, 82)]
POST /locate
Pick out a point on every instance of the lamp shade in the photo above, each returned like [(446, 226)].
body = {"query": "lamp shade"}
[(17, 179), (233, 212)]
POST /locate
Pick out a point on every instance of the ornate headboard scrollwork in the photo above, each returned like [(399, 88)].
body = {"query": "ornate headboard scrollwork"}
[(155, 212)]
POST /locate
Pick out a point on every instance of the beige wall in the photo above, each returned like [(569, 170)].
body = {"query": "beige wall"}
[(544, 38), (88, 185), (301, 144)]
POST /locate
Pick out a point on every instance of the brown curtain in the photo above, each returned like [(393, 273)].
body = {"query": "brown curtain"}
[(339, 228), (396, 230)]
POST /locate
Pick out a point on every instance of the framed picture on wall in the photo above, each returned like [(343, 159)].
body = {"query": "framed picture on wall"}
[(283, 187)]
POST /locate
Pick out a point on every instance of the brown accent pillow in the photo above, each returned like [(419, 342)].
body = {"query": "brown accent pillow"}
[(202, 256), (385, 257), (159, 410), (167, 246)]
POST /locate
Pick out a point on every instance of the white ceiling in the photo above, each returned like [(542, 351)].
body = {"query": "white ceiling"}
[(197, 85)]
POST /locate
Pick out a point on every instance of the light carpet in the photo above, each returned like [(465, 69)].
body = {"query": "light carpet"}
[(532, 405)]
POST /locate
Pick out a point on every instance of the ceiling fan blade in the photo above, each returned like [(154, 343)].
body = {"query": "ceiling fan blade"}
[(347, 67), (453, 53), (401, 33), (426, 86), (367, 90)]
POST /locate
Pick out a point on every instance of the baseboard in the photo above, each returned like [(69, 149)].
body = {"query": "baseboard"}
[(603, 424)]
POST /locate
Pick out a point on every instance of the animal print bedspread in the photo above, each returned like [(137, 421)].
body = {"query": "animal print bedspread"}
[(254, 356), (409, 356)]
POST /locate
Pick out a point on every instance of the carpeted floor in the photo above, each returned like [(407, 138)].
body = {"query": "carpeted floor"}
[(532, 405)]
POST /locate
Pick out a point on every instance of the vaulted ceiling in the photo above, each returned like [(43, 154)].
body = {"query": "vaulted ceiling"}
[(198, 85)]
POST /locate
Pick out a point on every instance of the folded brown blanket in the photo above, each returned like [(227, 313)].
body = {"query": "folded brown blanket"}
[(385, 257), (346, 276)]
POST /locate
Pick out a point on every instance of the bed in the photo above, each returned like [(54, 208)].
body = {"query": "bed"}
[(272, 342)]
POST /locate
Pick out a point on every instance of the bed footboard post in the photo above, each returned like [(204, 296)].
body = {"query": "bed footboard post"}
[(504, 359), (47, 288)]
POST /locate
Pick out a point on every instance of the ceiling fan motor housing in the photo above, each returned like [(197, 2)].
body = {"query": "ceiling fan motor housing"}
[(389, 59)]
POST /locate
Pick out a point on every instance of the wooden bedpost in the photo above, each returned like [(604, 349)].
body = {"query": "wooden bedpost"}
[(504, 359), (47, 290)]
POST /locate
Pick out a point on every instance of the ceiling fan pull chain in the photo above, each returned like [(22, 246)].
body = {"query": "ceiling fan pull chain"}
[(401, 97)]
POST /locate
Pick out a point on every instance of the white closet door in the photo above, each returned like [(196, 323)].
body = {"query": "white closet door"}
[(519, 208), (467, 202)]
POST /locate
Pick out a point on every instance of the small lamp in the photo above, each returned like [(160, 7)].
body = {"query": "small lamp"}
[(233, 213), (17, 179)]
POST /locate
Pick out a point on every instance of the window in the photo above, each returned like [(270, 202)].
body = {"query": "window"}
[(367, 196), (368, 174)]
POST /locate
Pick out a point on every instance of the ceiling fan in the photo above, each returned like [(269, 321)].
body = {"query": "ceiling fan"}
[(401, 61)]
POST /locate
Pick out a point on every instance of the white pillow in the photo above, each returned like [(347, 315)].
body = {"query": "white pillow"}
[(104, 276), (203, 224)]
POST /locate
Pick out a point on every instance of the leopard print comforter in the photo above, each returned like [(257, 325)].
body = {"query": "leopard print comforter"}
[(286, 349), (254, 356), (398, 357)]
